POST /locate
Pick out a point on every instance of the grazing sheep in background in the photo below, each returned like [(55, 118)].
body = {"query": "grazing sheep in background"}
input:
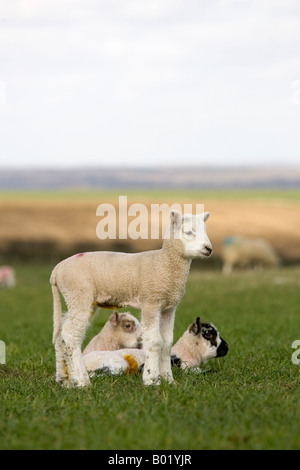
[(199, 343), (241, 252), (122, 330), (7, 277), (152, 281)]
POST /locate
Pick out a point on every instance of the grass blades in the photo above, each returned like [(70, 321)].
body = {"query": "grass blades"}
[(251, 401)]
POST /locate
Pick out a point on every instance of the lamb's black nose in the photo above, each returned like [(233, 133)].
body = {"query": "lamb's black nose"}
[(208, 249), (223, 348)]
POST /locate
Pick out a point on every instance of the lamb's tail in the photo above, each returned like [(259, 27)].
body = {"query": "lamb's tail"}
[(57, 310)]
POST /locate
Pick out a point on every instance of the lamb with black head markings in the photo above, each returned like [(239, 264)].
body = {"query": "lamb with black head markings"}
[(199, 343)]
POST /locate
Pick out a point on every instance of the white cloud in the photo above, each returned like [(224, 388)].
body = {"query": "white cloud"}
[(148, 9), (125, 80), (2, 92)]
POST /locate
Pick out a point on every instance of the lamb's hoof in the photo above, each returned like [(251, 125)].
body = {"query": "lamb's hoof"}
[(80, 383), (151, 381), (84, 383), (169, 380), (64, 383), (62, 380)]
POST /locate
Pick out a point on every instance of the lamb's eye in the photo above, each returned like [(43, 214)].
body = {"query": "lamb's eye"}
[(189, 233), (127, 326), (207, 335)]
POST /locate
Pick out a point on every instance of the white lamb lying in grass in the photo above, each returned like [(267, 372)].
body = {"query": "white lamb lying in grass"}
[(199, 343), (122, 330)]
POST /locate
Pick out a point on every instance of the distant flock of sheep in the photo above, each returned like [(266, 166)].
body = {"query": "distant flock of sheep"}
[(152, 281)]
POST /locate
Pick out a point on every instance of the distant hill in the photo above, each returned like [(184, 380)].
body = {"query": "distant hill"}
[(154, 177)]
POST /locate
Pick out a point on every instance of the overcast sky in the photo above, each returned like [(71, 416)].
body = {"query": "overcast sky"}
[(127, 82)]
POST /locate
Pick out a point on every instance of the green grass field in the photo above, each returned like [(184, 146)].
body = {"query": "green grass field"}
[(250, 402), (156, 195)]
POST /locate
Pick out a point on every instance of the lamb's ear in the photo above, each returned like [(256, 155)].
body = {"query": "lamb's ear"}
[(175, 220), (114, 318), (205, 216), (195, 327)]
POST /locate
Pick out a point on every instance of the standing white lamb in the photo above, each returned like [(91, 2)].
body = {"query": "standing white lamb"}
[(153, 281), (246, 252)]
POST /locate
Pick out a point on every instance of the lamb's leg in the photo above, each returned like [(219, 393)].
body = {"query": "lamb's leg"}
[(152, 343), (73, 331), (166, 330), (62, 369)]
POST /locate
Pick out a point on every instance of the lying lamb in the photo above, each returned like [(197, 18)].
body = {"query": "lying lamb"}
[(199, 343), (152, 281), (122, 330)]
